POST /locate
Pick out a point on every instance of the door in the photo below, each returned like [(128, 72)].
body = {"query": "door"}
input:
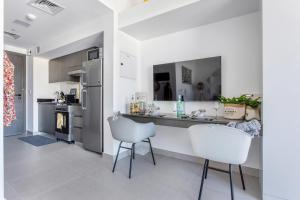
[(18, 126), (93, 71), (92, 119)]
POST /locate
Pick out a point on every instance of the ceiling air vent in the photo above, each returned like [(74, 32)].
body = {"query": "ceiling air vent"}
[(46, 6), (11, 35)]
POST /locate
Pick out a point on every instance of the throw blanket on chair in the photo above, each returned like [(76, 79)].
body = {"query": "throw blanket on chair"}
[(252, 127), (9, 112)]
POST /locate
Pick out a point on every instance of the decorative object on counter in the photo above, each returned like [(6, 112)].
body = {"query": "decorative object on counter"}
[(141, 99), (180, 108), (198, 114), (152, 109), (252, 127), (133, 106), (253, 108), (216, 108), (138, 103), (60, 96), (9, 112), (245, 106), (116, 115), (234, 108)]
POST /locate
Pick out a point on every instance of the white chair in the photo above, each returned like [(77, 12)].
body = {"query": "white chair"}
[(221, 144), (129, 131)]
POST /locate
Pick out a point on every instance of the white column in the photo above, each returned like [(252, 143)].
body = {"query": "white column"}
[(281, 96)]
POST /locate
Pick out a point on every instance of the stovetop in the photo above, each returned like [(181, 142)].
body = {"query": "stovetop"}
[(66, 105)]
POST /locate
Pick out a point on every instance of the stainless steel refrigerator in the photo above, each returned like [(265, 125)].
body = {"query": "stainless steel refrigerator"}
[(92, 105)]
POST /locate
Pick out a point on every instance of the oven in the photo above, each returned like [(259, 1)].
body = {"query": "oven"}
[(62, 120), (68, 122)]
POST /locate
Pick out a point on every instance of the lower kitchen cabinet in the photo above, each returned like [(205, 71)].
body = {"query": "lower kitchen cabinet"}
[(46, 118)]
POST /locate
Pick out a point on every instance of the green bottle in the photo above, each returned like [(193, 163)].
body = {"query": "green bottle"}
[(180, 109)]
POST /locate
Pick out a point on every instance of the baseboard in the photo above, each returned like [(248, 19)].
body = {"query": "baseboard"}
[(189, 158), (271, 197), (194, 159)]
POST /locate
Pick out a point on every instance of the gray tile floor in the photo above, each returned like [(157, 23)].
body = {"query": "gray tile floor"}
[(61, 171)]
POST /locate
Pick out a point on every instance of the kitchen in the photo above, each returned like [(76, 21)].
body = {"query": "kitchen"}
[(66, 114), (53, 60)]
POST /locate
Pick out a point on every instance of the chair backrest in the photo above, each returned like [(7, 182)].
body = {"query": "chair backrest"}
[(220, 143), (122, 129)]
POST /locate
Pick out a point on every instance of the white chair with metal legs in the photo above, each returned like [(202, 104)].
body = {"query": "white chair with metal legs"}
[(221, 144), (127, 131)]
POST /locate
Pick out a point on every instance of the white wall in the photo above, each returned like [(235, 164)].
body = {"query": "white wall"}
[(15, 49), (281, 58), (123, 88), (29, 93), (237, 40), (126, 87), (41, 86)]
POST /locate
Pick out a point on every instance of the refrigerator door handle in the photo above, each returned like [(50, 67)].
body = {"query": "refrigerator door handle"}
[(84, 77), (84, 99), (101, 72)]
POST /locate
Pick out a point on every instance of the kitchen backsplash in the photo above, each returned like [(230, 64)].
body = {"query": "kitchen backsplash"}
[(66, 86)]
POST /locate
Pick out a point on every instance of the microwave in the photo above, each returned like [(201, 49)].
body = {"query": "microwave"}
[(93, 54)]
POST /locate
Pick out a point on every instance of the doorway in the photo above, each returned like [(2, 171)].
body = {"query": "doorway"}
[(18, 126)]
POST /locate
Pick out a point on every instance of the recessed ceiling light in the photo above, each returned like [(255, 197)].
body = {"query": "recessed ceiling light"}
[(30, 17)]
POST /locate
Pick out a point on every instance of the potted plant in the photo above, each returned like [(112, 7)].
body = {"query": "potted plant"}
[(253, 108), (235, 107)]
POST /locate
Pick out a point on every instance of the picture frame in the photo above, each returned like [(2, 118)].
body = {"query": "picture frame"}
[(186, 75)]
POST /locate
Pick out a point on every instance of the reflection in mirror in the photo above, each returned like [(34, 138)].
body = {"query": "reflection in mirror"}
[(196, 80)]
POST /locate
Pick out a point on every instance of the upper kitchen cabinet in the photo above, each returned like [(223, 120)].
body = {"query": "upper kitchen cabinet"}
[(55, 70), (60, 67)]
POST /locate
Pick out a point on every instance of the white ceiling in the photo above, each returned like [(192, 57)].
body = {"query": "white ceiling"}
[(76, 13), (196, 14), (85, 43)]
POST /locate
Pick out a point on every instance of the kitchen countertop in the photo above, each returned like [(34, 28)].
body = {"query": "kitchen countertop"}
[(172, 120), (55, 103)]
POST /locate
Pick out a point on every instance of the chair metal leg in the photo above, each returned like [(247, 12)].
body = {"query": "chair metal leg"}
[(151, 152), (231, 186), (133, 152), (203, 176), (131, 157), (242, 177), (117, 157), (206, 169)]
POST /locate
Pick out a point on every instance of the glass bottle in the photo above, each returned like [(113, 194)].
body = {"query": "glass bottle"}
[(132, 105), (180, 108)]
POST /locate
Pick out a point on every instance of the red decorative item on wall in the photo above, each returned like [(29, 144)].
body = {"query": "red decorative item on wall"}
[(9, 112)]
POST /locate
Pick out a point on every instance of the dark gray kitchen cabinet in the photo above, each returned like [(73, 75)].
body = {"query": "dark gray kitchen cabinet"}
[(46, 118), (55, 70), (59, 67)]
